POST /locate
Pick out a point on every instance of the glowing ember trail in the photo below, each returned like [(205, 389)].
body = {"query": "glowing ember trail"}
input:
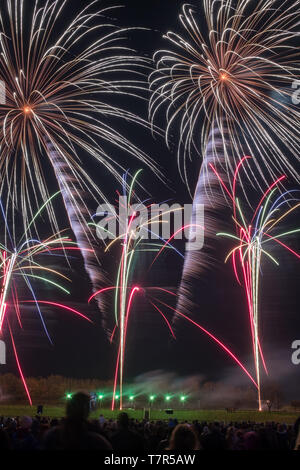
[(252, 240), (21, 267), (59, 109), (126, 288)]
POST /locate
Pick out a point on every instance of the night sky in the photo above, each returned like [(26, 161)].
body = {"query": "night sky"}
[(82, 350)]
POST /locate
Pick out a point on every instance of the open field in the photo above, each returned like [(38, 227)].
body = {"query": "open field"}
[(181, 415)]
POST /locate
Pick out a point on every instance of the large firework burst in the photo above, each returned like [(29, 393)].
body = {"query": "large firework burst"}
[(61, 88), (234, 74)]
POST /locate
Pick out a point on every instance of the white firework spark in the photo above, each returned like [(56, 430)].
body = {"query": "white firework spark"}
[(234, 73), (61, 90)]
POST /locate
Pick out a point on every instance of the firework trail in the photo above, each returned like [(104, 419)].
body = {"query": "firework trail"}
[(253, 238), (209, 199), (134, 241), (20, 265), (78, 214), (231, 75), (59, 88)]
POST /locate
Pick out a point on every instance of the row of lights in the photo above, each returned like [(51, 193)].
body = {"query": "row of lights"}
[(132, 397)]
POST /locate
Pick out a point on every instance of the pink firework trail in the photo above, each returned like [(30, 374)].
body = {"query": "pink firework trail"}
[(21, 266), (127, 288), (251, 238)]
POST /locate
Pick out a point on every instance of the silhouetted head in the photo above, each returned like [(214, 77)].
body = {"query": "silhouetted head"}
[(184, 438), (297, 426), (123, 420), (251, 440), (78, 407), (25, 422)]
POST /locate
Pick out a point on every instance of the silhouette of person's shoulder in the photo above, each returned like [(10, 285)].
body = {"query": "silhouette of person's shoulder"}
[(54, 440), (126, 439)]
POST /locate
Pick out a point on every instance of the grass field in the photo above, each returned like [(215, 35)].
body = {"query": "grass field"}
[(181, 415)]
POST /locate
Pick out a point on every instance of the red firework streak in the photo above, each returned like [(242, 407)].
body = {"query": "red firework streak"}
[(247, 255), (22, 263), (127, 288)]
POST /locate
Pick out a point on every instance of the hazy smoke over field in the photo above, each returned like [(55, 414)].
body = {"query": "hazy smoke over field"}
[(232, 389), (167, 382), (198, 391)]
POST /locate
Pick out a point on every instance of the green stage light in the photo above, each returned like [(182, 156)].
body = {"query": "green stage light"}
[(131, 398), (69, 396), (168, 398), (117, 397), (100, 397), (182, 398), (152, 397)]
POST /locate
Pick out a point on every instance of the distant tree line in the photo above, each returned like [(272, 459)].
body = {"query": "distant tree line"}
[(50, 390), (55, 389)]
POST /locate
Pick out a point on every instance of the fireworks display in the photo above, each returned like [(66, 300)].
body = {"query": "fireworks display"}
[(57, 84), (253, 237), (134, 241), (227, 87), (235, 74), (73, 97), (209, 199), (23, 266)]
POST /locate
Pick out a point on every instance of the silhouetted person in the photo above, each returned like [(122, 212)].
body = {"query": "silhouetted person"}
[(5, 443), (23, 437), (74, 433), (215, 440), (283, 442), (297, 444), (125, 439), (297, 434), (184, 439), (251, 441)]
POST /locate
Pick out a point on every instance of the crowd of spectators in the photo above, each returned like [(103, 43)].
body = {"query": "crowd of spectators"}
[(76, 432)]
